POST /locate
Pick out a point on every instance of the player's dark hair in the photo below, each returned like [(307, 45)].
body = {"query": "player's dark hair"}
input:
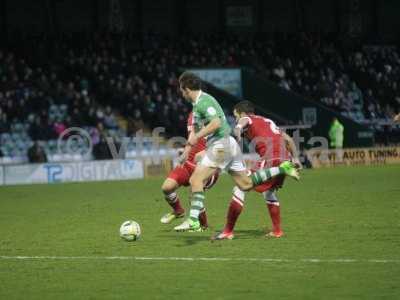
[(244, 107), (190, 80)]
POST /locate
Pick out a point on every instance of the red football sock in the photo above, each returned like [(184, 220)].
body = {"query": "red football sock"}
[(203, 218), (275, 214), (173, 201), (235, 208)]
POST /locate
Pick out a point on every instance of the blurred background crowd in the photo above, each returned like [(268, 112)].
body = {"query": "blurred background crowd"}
[(118, 84)]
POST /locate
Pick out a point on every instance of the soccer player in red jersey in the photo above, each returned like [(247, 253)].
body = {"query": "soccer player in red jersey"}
[(273, 146), (180, 176)]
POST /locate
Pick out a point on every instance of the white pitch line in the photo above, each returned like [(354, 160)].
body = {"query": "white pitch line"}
[(194, 259)]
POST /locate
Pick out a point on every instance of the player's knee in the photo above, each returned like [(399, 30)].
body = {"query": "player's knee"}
[(244, 186), (271, 198), (167, 187), (196, 182), (248, 186), (238, 193)]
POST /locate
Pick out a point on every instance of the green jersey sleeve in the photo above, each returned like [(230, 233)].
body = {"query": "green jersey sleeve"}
[(208, 111)]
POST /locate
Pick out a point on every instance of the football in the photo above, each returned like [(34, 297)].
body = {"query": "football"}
[(130, 231)]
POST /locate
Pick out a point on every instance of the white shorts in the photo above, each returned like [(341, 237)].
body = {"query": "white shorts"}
[(224, 154)]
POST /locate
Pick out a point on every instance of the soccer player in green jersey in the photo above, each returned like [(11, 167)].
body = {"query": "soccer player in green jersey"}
[(222, 150)]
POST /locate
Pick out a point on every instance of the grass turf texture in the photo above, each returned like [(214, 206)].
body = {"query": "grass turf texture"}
[(342, 213)]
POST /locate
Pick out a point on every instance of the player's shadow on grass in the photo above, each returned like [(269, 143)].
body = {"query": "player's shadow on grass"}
[(195, 239), (188, 238), (249, 234)]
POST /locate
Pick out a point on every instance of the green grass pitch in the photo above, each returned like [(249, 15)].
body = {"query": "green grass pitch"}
[(342, 241)]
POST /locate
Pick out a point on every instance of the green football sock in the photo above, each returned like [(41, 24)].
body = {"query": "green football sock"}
[(197, 204), (264, 175)]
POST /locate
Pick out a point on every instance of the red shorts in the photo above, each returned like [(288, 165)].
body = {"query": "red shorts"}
[(181, 174), (272, 184)]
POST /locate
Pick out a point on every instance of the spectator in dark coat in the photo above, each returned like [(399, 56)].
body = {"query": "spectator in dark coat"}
[(36, 154)]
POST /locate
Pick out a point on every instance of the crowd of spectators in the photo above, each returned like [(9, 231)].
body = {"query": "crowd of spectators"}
[(359, 81), (124, 83), (96, 85)]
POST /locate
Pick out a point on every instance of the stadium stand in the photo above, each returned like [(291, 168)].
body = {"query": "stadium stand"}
[(113, 85)]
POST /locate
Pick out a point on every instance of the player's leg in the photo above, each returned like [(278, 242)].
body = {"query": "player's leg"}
[(202, 216), (246, 182), (216, 157), (237, 203), (274, 212), (169, 187), (203, 219), (208, 185), (234, 211), (237, 169), (212, 180), (199, 176)]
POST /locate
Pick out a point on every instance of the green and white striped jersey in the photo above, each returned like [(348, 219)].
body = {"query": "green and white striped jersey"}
[(205, 109)]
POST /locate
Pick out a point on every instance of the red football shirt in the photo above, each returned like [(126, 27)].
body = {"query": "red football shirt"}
[(266, 138)]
